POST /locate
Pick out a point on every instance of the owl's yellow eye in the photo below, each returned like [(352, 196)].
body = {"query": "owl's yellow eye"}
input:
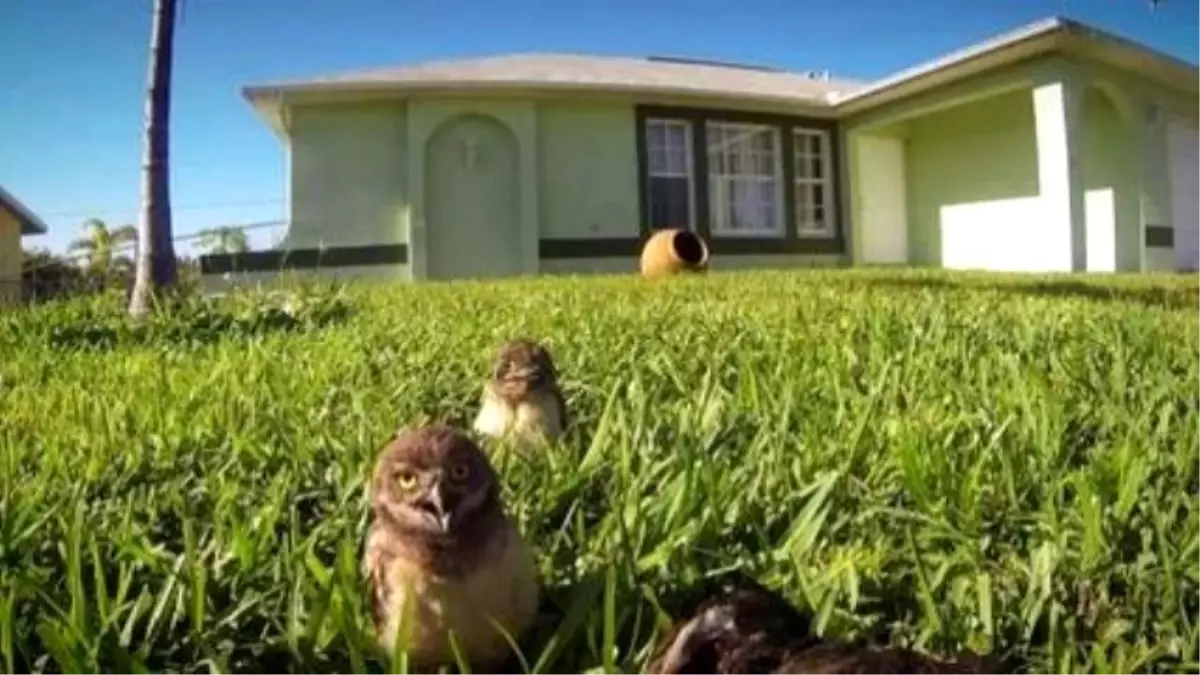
[(406, 479), (458, 472)]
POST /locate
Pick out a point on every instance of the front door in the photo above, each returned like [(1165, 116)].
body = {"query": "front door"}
[(472, 200)]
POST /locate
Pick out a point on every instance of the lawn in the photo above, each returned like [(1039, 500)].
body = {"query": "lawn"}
[(932, 459)]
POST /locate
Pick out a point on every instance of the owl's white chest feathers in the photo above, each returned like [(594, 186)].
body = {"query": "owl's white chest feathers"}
[(538, 415), (504, 588)]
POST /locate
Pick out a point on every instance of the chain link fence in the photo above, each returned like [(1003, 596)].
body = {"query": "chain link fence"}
[(48, 276)]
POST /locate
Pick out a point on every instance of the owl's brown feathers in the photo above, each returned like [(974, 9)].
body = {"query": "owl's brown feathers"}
[(749, 629), (523, 363), (441, 547), (522, 398)]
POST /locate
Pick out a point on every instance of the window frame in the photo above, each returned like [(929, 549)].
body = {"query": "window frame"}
[(825, 182), (793, 239), (716, 224), (690, 158)]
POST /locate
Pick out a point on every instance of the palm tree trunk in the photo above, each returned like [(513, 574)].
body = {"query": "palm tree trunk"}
[(156, 264)]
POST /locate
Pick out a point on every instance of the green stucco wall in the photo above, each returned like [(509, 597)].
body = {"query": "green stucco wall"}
[(970, 89), (587, 170), (629, 265), (957, 149), (354, 180), (1155, 204), (10, 257), (986, 151), (975, 141), (1149, 159), (348, 179), (366, 173), (980, 151), (360, 274)]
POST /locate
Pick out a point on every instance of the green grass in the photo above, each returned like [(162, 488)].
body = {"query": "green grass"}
[(925, 459)]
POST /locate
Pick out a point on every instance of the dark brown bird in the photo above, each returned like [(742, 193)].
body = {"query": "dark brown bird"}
[(442, 556), (749, 629), (522, 399)]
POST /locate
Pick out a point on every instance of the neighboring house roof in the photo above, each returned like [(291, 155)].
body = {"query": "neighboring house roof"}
[(744, 83), (30, 223)]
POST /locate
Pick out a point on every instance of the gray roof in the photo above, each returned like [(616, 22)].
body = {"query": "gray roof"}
[(576, 71), (30, 223), (752, 84)]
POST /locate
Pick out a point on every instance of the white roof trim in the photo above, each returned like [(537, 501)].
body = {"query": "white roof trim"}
[(264, 92), (998, 43), (1045, 28)]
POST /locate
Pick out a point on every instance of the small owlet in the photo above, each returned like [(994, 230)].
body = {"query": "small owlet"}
[(441, 554), (749, 629), (522, 397)]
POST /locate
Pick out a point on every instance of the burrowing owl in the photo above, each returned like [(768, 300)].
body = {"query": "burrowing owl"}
[(441, 555), (749, 629), (522, 398)]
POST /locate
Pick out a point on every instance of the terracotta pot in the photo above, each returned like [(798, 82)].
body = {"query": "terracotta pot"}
[(670, 252)]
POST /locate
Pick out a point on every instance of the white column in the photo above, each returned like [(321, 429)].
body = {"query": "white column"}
[(1057, 106)]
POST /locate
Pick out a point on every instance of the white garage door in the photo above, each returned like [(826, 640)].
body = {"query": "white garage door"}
[(1182, 142)]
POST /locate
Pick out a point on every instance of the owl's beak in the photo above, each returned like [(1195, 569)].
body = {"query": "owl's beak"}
[(533, 374), (439, 511), (517, 383)]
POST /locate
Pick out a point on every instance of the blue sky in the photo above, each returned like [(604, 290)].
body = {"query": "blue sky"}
[(72, 101)]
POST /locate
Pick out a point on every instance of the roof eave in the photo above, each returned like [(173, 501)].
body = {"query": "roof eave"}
[(1119, 52), (1023, 43), (30, 223), (266, 98), (270, 106), (1044, 37), (32, 228)]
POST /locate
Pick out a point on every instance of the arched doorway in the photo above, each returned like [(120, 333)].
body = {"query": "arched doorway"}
[(472, 197)]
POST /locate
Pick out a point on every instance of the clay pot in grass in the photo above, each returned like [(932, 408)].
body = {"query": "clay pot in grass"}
[(674, 251)]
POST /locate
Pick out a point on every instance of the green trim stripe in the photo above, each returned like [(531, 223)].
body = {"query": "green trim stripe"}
[(305, 258)]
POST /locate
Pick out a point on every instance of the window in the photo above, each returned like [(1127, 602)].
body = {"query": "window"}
[(745, 188), (813, 183), (762, 182), (670, 181)]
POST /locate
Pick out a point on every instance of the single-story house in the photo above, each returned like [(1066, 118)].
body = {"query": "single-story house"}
[(1055, 147), (16, 221)]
